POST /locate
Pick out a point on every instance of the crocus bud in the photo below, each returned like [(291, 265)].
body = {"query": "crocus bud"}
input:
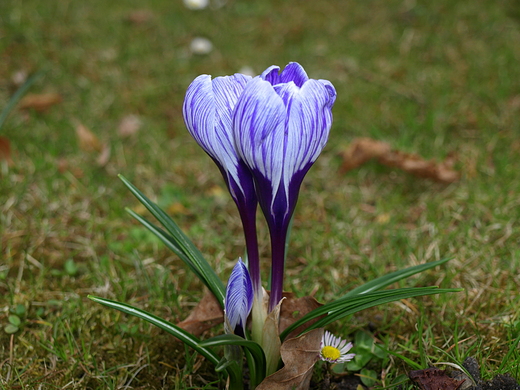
[(239, 298)]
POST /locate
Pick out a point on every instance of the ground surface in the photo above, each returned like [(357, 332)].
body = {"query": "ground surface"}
[(434, 78)]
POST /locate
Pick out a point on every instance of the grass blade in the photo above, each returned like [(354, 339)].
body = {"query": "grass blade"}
[(18, 95), (174, 330), (180, 243), (350, 305), (254, 348), (386, 280)]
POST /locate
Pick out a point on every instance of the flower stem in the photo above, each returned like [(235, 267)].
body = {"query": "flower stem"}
[(278, 237), (248, 217)]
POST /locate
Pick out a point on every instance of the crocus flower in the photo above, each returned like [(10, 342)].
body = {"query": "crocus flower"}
[(208, 110), (334, 349), (281, 123), (239, 299)]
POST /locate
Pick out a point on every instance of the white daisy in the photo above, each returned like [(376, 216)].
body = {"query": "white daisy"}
[(334, 349)]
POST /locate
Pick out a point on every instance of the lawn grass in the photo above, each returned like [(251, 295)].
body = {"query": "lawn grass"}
[(431, 79)]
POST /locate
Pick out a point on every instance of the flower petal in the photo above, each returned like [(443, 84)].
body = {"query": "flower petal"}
[(239, 296), (258, 119), (271, 75), (294, 72), (208, 109)]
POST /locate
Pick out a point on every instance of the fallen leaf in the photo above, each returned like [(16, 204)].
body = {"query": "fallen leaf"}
[(299, 356), (360, 151), (129, 125), (140, 16), (104, 156), (40, 102), (177, 208), (87, 140), (295, 308), (364, 149), (207, 314), (434, 379), (417, 166), (5, 150)]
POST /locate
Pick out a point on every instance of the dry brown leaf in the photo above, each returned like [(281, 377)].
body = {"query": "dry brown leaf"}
[(129, 125), (363, 149), (104, 156), (140, 16), (40, 102), (87, 140), (360, 151), (295, 308), (207, 314), (299, 356), (434, 379), (177, 208), (416, 165), (5, 150)]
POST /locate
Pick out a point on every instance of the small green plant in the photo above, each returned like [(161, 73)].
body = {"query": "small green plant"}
[(15, 319), (367, 355)]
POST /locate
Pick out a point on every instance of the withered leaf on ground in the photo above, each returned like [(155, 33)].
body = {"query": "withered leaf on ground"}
[(40, 102), (104, 156), (295, 308), (129, 125), (434, 379), (299, 356), (140, 16), (207, 314), (87, 140), (5, 150), (362, 150)]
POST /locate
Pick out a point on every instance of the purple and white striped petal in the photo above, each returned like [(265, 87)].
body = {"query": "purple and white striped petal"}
[(279, 132), (208, 109), (239, 296), (292, 72)]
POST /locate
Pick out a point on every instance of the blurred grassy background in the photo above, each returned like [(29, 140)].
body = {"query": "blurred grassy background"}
[(428, 78)]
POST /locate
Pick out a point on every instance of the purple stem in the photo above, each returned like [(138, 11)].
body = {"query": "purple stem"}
[(248, 217), (278, 237)]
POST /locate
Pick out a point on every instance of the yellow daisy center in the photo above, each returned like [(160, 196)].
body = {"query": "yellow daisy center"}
[(330, 353)]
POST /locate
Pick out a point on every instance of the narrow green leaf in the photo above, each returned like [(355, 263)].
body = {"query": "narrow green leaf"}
[(396, 295), (182, 244), (255, 372), (254, 348), (18, 95), (350, 305), (168, 240), (174, 330), (386, 280)]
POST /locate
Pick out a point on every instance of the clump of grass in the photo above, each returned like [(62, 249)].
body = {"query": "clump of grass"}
[(428, 78)]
